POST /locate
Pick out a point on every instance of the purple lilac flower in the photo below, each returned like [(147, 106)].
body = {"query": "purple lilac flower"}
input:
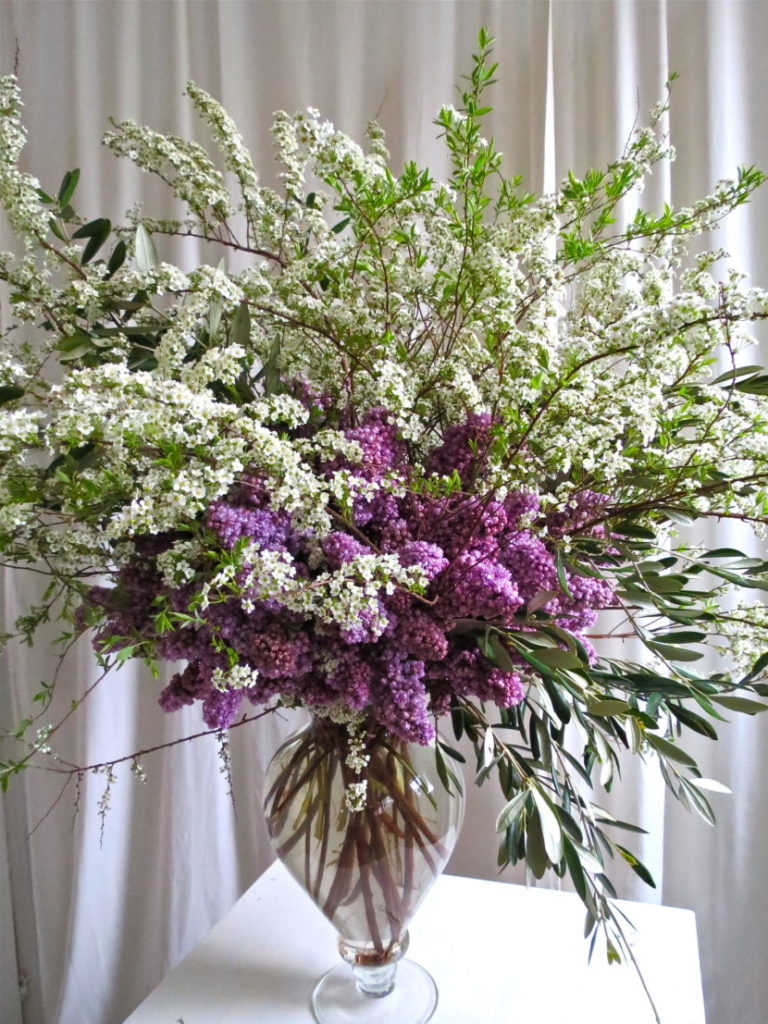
[(459, 522), (138, 583), (476, 587), (220, 708), (519, 505), (490, 521), (584, 506), (382, 450), (579, 611), (351, 677), (376, 513), (530, 563), (340, 548), (380, 447), (185, 687), (232, 523), (277, 653), (419, 635), (442, 522), (463, 448), (237, 626), (370, 625), (466, 673), (429, 557), (400, 701), (308, 394)]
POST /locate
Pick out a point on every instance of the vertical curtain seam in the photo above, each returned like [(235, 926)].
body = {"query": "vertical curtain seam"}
[(549, 164)]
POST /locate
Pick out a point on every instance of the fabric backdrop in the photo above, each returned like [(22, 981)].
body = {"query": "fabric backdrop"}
[(91, 920)]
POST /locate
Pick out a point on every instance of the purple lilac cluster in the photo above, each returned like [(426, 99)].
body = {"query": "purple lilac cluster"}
[(484, 560)]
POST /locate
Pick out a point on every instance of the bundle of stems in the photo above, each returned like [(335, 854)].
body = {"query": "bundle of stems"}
[(367, 864)]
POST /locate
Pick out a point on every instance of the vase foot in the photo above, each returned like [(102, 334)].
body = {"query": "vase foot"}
[(337, 999)]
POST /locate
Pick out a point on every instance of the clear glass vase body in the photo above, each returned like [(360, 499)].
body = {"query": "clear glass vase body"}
[(367, 869)]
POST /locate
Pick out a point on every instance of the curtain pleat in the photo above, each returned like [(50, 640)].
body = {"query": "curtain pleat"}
[(93, 920)]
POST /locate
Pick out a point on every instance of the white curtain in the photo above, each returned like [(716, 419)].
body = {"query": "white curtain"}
[(90, 926)]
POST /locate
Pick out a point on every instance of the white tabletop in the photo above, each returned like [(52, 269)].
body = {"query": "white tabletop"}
[(500, 954)]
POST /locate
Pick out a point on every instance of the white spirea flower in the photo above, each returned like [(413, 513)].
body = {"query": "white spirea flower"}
[(238, 677), (177, 565), (355, 795)]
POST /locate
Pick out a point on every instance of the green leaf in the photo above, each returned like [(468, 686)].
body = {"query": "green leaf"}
[(338, 228), (146, 253), (736, 372), (577, 766), (607, 819), (589, 861), (539, 599), (489, 746), (56, 228), (457, 721), (451, 782), (76, 352), (757, 385), (574, 868), (117, 259), (214, 320), (91, 229), (627, 529), (552, 832), (535, 851), (97, 232), (511, 810), (539, 728), (570, 825), (670, 750), (673, 653), (742, 704), (271, 369), (558, 696), (682, 636), (710, 784), (240, 328), (637, 866), (73, 341), (500, 653), (68, 186), (608, 706), (452, 752), (694, 721), (760, 664), (724, 553), (554, 657), (740, 581), (664, 584), (678, 515), (689, 794), (9, 392), (562, 579)]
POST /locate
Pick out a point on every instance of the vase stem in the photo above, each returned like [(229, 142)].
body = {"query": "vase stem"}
[(375, 982)]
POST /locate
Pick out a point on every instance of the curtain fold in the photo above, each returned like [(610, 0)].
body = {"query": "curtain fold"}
[(94, 921)]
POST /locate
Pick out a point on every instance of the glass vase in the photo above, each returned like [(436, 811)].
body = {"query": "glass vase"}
[(366, 826)]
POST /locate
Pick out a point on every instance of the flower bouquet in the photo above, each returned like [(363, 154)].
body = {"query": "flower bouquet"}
[(403, 450)]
